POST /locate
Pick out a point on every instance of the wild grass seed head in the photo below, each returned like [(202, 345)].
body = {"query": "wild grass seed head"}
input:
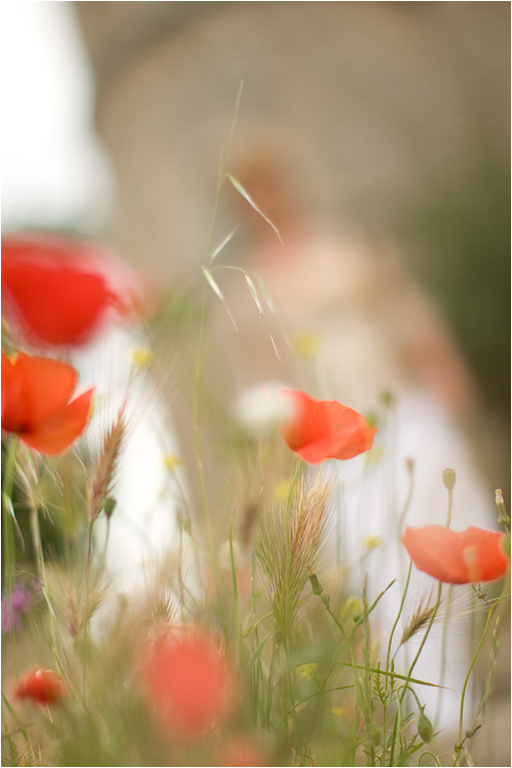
[(103, 475), (284, 553)]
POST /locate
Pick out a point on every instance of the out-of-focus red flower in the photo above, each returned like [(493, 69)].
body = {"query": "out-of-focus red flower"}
[(325, 429), (457, 557), (187, 680), (41, 686), (37, 405), (59, 291), (242, 751)]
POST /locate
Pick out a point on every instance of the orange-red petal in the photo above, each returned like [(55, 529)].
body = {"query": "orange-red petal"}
[(325, 429), (35, 402), (187, 681), (54, 288), (41, 686), (457, 557), (35, 390), (55, 435)]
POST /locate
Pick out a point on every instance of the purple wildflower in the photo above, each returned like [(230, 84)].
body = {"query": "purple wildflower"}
[(19, 603)]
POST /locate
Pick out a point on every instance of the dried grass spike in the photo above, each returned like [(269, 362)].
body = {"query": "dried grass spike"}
[(285, 563), (100, 487), (419, 619)]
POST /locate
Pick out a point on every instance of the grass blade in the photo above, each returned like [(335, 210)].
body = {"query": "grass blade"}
[(215, 288), (246, 196)]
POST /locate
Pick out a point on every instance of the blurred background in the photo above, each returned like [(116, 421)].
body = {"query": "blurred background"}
[(390, 117), (379, 128)]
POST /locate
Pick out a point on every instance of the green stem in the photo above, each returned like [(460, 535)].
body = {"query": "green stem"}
[(199, 359), (257, 670), (424, 640), (334, 618), (85, 627), (9, 553), (434, 757), (224, 168), (466, 681), (238, 622), (288, 617), (202, 481), (269, 688), (398, 616), (442, 673), (411, 668), (41, 570), (450, 507), (420, 707), (197, 431), (291, 688), (288, 542)]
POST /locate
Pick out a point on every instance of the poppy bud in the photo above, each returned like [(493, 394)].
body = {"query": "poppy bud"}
[(42, 686), (109, 505), (375, 734), (503, 518), (315, 584), (317, 587), (425, 729), (449, 478)]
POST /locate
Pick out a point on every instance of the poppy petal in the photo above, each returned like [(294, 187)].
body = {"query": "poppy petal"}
[(188, 681), (35, 402), (455, 557), (435, 550), (325, 429), (57, 290), (35, 389), (41, 686), (58, 433), (33, 290), (13, 395), (492, 561)]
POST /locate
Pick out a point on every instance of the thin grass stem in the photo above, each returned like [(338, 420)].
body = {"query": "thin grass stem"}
[(458, 746), (238, 622), (423, 641), (9, 553)]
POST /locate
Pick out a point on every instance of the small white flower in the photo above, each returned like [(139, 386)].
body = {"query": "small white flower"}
[(263, 407)]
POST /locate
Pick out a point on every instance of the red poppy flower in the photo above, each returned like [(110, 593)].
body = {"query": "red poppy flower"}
[(325, 429), (36, 395), (41, 686), (188, 682), (60, 292), (457, 557)]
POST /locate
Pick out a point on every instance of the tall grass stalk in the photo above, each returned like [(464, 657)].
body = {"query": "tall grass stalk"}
[(200, 344), (490, 613)]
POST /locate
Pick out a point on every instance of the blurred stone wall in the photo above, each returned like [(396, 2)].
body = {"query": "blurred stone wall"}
[(392, 115), (376, 99)]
